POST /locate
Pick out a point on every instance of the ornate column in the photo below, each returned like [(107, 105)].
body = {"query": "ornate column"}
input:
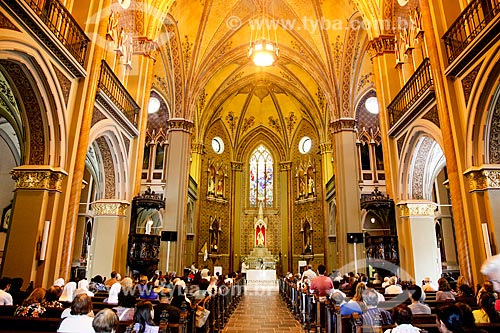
[(176, 191), (235, 214), (348, 192), (484, 186), (105, 250), (197, 150), (417, 241), (36, 198), (286, 215)]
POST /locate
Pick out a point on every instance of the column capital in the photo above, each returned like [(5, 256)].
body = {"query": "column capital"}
[(286, 166), (380, 45), (236, 166), (180, 124), (325, 147), (109, 207), (414, 208), (38, 177), (485, 177), (197, 148), (343, 124)]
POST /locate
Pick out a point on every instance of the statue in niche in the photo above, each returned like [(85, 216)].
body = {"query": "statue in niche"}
[(127, 49), (220, 188), (302, 186), (149, 221), (112, 31), (260, 225), (211, 185), (310, 187)]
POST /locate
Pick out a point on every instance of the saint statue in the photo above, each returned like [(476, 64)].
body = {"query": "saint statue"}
[(260, 238), (310, 186), (149, 224), (211, 186), (220, 188)]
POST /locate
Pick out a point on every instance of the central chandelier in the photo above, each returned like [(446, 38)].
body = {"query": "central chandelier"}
[(263, 51)]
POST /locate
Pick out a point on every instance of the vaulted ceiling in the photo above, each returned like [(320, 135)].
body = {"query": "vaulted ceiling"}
[(322, 72)]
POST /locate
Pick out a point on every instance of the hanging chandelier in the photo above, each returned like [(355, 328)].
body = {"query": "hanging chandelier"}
[(263, 51)]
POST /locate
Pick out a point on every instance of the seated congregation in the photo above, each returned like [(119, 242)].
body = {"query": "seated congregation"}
[(162, 303), (355, 303)]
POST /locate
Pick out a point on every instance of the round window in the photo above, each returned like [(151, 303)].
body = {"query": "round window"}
[(217, 145), (305, 145)]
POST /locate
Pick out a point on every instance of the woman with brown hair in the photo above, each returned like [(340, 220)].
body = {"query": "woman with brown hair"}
[(32, 306), (444, 293), (79, 321)]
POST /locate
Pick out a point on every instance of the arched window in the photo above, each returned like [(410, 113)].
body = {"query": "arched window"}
[(261, 177)]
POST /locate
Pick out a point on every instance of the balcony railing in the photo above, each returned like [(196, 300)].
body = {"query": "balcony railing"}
[(62, 24), (468, 25), (416, 87), (117, 93)]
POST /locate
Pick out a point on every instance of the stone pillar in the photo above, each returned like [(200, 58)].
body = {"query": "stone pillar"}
[(106, 247), (286, 202), (417, 241), (235, 215), (176, 192), (348, 192), (326, 151), (36, 201), (196, 165), (484, 224)]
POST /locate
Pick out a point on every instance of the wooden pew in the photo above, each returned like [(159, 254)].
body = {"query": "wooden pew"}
[(24, 324)]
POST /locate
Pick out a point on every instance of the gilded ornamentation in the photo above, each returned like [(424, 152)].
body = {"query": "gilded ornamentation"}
[(97, 116), (144, 46), (364, 80), (32, 109), (483, 179), (297, 47), (40, 178), (175, 59), (338, 47), (291, 120), (202, 99), (109, 168), (494, 135), (288, 77), (325, 147), (109, 208), (232, 121), (186, 52), (197, 148), (275, 123), (247, 124), (468, 82), (417, 179), (399, 143), (236, 166), (432, 116), (346, 73), (285, 166), (180, 124), (413, 209), (5, 23), (343, 125), (380, 45), (321, 99), (64, 82), (223, 50)]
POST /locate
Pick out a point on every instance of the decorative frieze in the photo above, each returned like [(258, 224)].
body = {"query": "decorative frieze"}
[(197, 148), (483, 178), (417, 208), (343, 124), (109, 208), (325, 147), (33, 177), (176, 124)]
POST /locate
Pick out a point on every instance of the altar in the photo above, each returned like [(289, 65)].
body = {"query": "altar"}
[(261, 277)]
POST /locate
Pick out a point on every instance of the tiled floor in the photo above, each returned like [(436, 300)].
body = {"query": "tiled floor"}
[(262, 311)]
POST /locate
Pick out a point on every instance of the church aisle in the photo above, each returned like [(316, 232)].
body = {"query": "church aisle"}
[(264, 312)]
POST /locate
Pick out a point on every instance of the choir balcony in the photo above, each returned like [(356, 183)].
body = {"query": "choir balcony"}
[(54, 26), (472, 33)]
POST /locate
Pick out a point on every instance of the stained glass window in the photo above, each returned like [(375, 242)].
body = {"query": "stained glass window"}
[(261, 177)]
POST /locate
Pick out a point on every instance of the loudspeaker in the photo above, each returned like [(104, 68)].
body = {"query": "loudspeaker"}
[(169, 236), (354, 237)]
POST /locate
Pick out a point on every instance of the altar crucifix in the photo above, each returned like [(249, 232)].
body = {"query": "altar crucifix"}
[(260, 225)]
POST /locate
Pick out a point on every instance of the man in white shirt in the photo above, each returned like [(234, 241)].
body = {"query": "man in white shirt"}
[(428, 285), (393, 288), (5, 297), (309, 273)]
